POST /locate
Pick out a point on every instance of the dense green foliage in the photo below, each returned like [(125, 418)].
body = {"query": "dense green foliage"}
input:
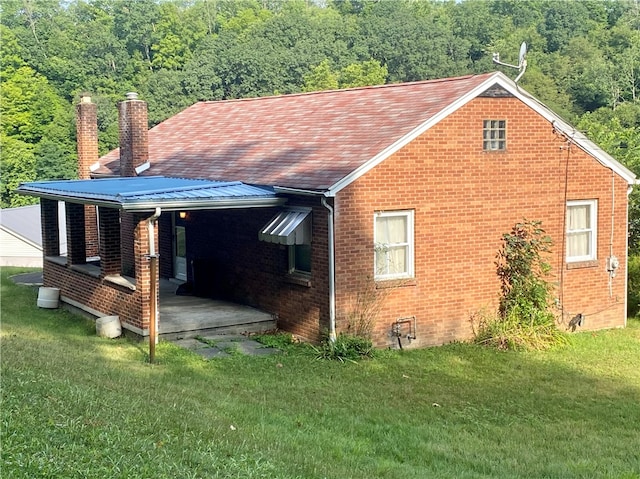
[(525, 318), (633, 295), (584, 60), (78, 406)]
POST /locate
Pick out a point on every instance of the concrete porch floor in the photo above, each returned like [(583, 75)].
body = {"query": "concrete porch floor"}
[(184, 317)]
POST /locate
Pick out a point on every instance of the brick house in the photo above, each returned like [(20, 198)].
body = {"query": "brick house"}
[(318, 207)]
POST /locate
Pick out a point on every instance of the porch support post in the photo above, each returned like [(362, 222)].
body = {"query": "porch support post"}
[(50, 227), (76, 244), (147, 277), (110, 258)]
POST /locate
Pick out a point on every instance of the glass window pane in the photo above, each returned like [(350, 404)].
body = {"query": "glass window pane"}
[(494, 134), (303, 258), (397, 258), (579, 217), (578, 244), (181, 242), (391, 230)]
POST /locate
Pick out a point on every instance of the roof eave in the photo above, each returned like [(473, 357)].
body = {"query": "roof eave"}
[(227, 203), (566, 129), (408, 138), (501, 79), (167, 205)]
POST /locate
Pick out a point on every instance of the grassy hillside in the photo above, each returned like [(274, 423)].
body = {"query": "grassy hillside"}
[(78, 406)]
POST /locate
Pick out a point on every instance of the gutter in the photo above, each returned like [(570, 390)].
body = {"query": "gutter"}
[(332, 272)]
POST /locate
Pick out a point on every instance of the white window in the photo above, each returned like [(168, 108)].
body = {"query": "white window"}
[(494, 135), (393, 238), (582, 227)]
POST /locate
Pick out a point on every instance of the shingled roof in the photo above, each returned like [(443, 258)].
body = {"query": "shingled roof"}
[(311, 141)]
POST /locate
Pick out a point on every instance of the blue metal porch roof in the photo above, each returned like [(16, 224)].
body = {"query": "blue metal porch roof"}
[(145, 193)]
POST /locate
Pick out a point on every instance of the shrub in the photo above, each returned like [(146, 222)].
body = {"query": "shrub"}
[(346, 347), (633, 293), (525, 319)]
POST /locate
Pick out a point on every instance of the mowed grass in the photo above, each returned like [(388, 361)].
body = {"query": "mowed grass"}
[(78, 406)]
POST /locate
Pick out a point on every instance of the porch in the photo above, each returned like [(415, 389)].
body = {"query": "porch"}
[(183, 316)]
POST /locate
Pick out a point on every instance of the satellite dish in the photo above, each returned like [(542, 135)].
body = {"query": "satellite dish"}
[(523, 53), (522, 61)]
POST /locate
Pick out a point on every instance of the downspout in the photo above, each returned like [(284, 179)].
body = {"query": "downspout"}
[(153, 290), (332, 272)]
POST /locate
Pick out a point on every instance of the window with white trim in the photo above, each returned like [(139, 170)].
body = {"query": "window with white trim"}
[(494, 135), (582, 227), (393, 240)]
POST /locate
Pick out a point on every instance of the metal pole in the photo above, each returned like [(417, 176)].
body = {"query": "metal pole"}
[(153, 312), (153, 287)]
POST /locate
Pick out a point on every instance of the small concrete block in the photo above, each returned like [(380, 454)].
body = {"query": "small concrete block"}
[(225, 338), (210, 353), (254, 348), (191, 343)]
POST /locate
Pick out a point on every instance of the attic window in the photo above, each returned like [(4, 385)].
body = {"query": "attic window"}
[(494, 135)]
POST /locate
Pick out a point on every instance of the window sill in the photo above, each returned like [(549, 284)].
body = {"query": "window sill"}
[(88, 269), (123, 281), (395, 283), (583, 264), (59, 260), (299, 279)]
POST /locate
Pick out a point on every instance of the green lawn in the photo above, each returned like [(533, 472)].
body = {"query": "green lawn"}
[(78, 406)]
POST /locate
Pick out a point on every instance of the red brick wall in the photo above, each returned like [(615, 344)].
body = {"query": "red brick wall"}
[(76, 245), (105, 297), (464, 200), (99, 292), (50, 227)]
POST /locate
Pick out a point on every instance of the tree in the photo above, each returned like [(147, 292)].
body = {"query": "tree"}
[(18, 166), (36, 131), (363, 74), (414, 41), (176, 37), (321, 77), (617, 132)]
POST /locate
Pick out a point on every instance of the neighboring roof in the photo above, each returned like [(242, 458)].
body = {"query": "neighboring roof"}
[(23, 222), (145, 193), (318, 141)]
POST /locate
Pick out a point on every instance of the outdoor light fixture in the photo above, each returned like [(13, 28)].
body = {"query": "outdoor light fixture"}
[(182, 214)]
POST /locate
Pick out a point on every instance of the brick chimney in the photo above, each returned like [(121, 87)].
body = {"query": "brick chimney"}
[(87, 134), (134, 142), (87, 137)]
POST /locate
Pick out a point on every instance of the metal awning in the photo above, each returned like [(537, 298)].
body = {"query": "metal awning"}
[(145, 193), (290, 226)]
